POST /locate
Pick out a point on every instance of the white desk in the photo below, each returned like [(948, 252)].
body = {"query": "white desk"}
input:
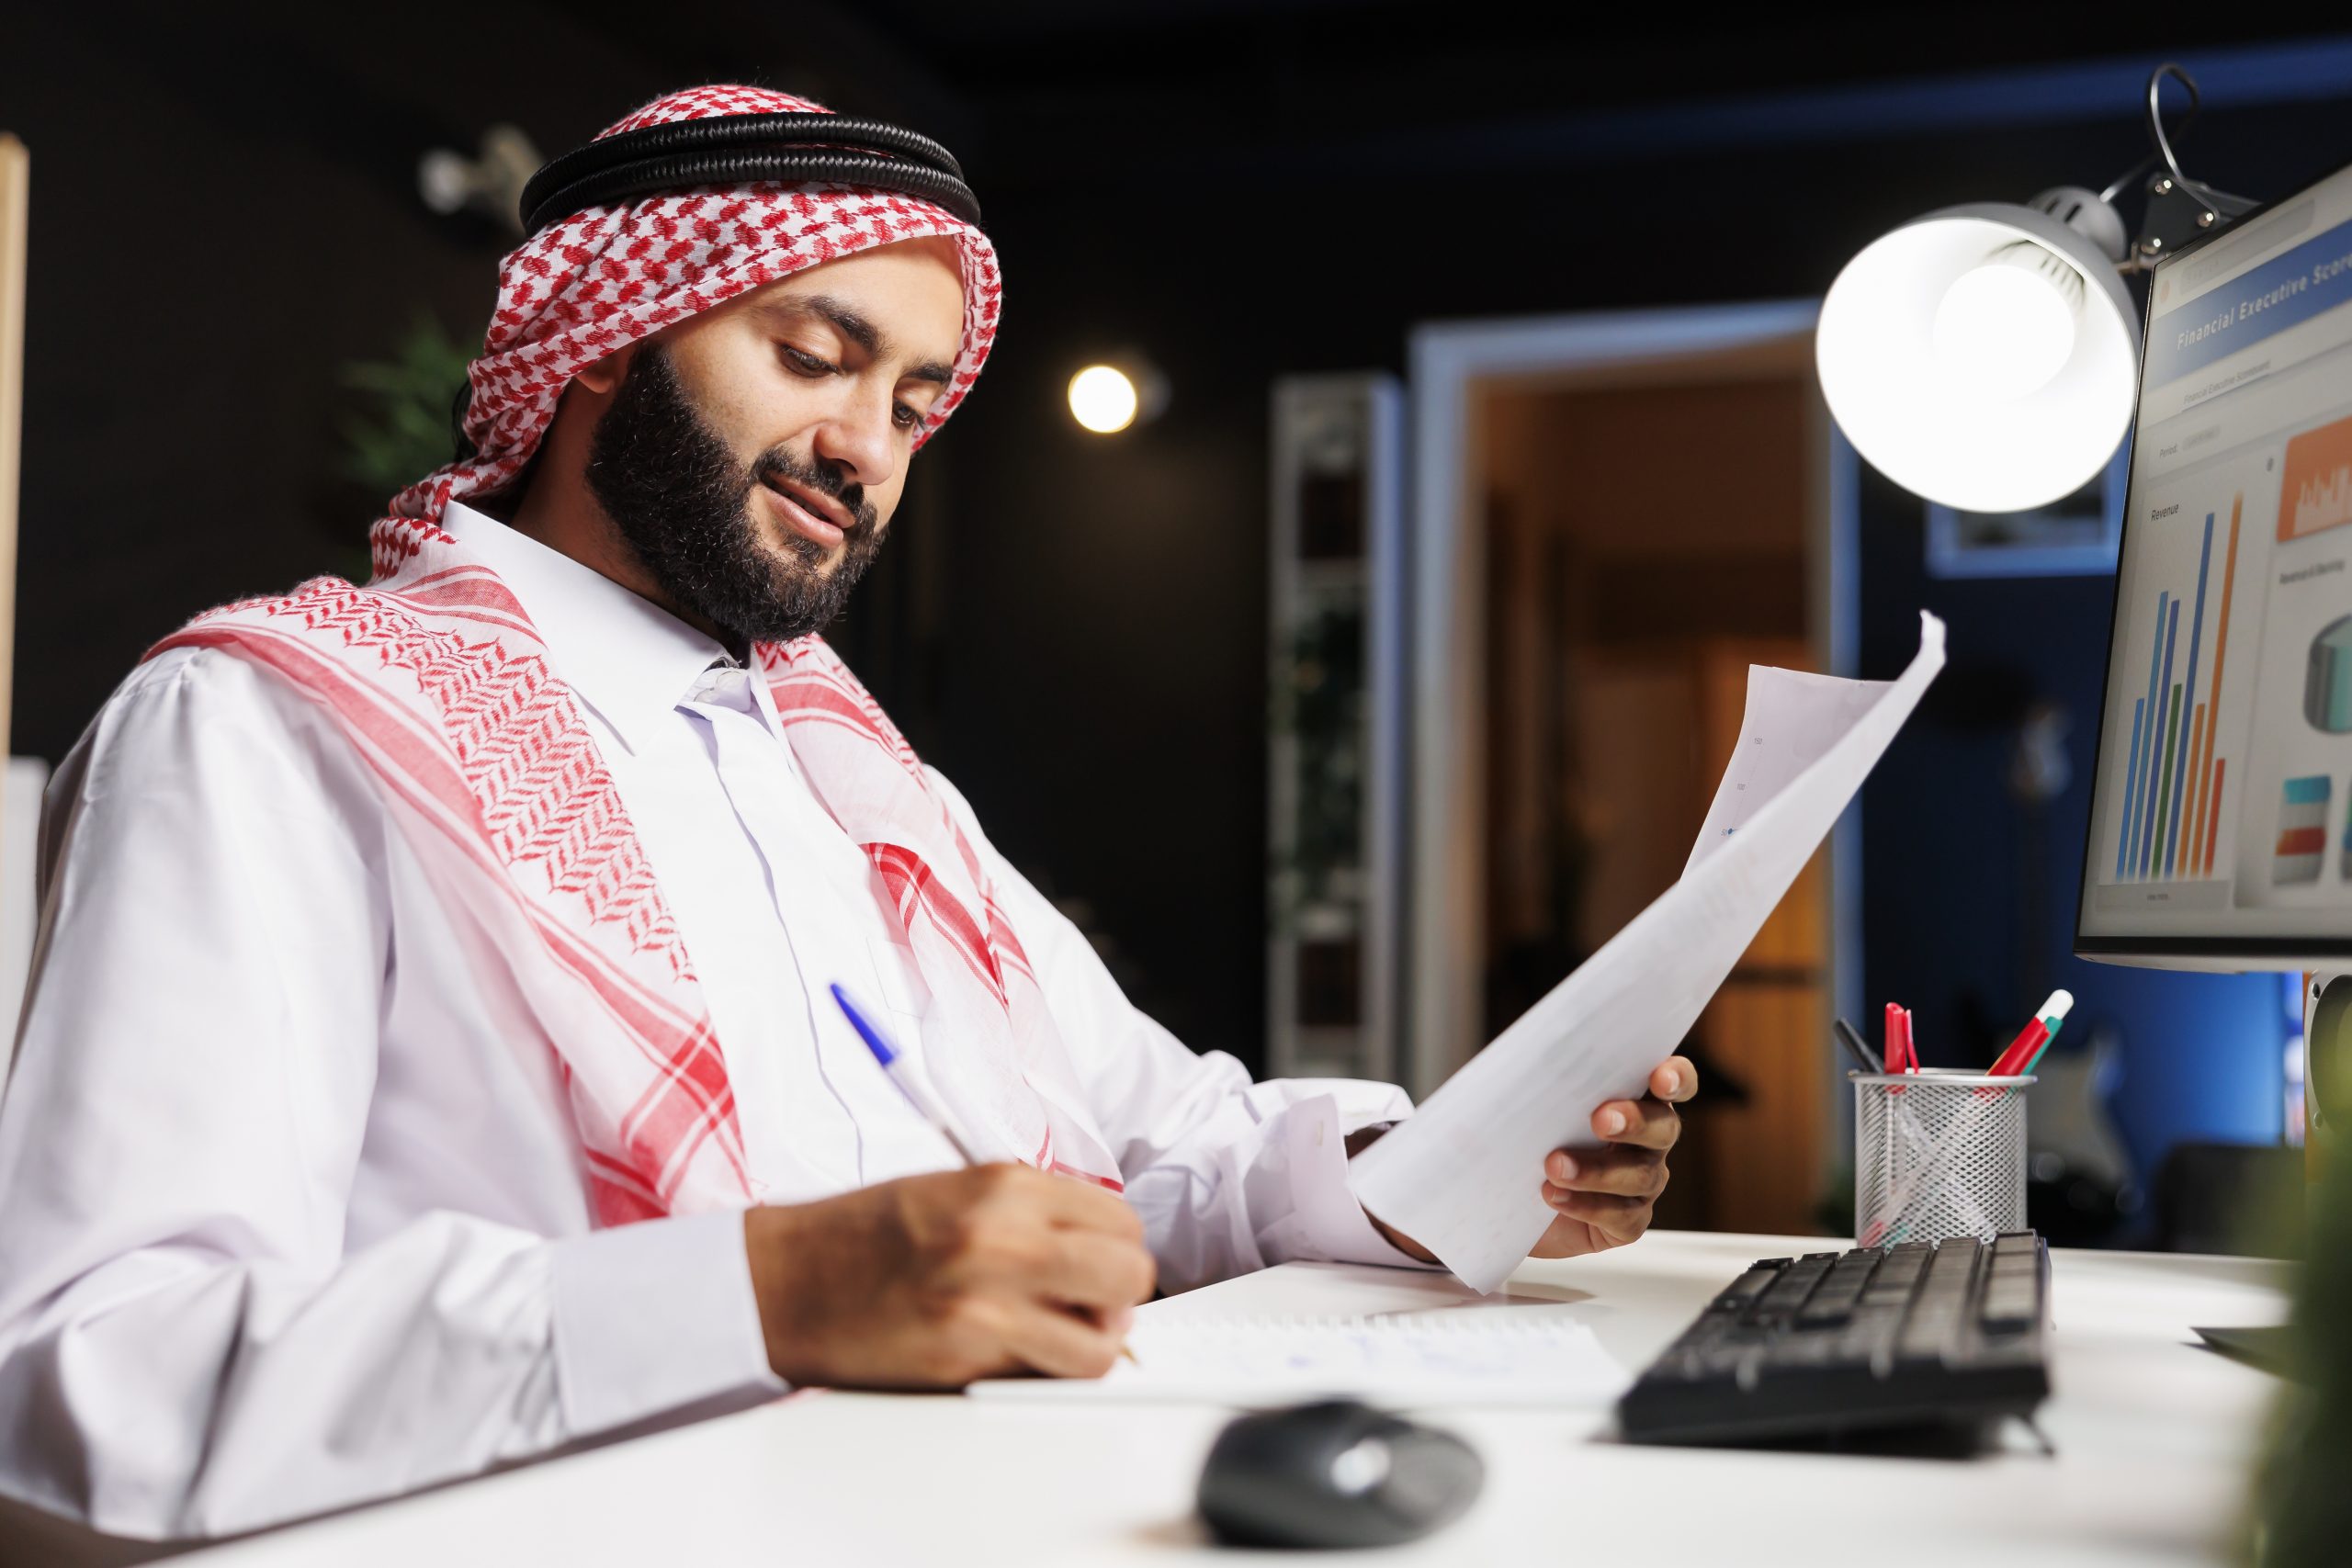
[(2154, 1439)]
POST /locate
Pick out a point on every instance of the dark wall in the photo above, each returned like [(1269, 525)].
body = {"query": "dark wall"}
[(225, 213), (1151, 545)]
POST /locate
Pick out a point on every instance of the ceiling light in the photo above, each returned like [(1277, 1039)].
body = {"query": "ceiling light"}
[(1102, 397)]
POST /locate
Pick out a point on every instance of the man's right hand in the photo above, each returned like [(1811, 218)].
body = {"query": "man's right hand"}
[(931, 1281)]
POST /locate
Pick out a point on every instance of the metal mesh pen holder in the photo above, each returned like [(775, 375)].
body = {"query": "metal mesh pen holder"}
[(1938, 1153)]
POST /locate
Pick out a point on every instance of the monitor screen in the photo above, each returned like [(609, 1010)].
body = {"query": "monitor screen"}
[(2221, 831)]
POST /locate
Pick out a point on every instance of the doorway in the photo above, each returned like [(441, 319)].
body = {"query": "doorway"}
[(1615, 531)]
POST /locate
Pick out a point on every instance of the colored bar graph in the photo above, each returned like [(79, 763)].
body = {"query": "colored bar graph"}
[(2164, 800), (2184, 860), (2219, 767), (2163, 752), (2170, 825), (2140, 759), (2131, 785), (2208, 770), (2303, 829), (2188, 684)]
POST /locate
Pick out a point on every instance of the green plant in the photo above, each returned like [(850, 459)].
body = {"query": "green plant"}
[(405, 433), (2302, 1512), (1319, 697)]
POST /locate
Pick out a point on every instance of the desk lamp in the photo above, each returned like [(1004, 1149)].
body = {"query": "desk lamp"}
[(1985, 356)]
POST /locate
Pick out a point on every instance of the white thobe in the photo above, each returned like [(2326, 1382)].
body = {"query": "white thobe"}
[(291, 1217)]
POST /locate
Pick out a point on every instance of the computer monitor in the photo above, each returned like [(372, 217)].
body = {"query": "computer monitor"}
[(2221, 831)]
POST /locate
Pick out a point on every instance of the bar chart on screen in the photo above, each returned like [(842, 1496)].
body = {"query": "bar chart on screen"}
[(2184, 731)]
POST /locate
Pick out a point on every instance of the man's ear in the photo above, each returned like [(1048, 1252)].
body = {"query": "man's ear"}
[(606, 374)]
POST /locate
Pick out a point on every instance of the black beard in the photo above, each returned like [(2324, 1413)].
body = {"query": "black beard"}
[(684, 504)]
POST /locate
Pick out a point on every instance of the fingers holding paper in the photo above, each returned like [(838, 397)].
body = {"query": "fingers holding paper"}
[(1651, 1121), (1601, 1196), (1674, 1079), (1604, 1197)]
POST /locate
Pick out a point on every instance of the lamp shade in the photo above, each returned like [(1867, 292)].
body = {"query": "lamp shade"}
[(1983, 356)]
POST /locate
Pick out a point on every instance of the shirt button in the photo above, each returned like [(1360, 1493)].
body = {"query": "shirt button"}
[(728, 688)]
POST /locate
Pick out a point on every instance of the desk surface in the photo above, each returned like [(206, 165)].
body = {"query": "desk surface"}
[(2154, 1439)]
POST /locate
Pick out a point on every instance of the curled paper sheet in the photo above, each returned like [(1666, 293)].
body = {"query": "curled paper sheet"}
[(1462, 1176)]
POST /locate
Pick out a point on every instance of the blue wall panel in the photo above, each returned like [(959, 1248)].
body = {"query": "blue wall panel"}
[(1968, 894)]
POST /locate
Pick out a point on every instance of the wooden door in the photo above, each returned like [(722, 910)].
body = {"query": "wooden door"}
[(1768, 1029)]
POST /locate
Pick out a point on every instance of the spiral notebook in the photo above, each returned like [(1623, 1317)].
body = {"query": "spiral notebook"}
[(1463, 1357)]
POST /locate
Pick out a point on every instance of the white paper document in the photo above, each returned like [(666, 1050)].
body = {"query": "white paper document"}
[(1462, 1175), (1792, 720), (1466, 1356)]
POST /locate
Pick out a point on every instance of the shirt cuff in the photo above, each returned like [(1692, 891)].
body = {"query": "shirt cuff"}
[(655, 1316), (1325, 1224)]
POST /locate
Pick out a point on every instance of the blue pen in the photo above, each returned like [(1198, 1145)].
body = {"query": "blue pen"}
[(888, 1055)]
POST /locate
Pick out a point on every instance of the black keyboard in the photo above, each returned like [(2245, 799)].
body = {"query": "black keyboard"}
[(1945, 1335)]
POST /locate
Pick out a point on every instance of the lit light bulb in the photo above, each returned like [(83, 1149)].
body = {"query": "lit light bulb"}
[(2003, 329), (1102, 400)]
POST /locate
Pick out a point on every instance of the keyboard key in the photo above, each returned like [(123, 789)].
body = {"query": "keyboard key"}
[(2002, 1317), (1741, 1292), (1958, 1251), (2010, 1304), (1787, 1294), (1800, 1350), (1835, 1301)]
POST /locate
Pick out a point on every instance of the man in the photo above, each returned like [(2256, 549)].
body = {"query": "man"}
[(430, 1060)]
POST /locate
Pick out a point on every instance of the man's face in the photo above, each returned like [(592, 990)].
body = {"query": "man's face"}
[(752, 456)]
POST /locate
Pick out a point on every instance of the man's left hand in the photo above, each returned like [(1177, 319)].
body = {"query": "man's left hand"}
[(1603, 1197)]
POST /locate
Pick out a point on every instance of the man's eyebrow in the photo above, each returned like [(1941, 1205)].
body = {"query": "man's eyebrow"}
[(846, 320), (859, 331)]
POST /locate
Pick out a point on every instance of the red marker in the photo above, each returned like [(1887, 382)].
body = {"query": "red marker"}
[(2035, 1037), (1900, 1056)]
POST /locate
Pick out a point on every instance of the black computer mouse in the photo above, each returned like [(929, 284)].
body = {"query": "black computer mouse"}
[(1336, 1473)]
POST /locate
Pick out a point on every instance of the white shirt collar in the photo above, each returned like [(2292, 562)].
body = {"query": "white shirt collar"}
[(625, 656)]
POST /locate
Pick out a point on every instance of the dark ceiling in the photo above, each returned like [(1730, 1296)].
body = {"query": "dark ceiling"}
[(1037, 90)]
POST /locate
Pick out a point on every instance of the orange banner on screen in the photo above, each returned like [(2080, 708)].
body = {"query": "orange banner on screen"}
[(2318, 491)]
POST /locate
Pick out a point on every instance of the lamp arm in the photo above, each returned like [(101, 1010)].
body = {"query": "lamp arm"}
[(2221, 202), (2164, 226), (2156, 112), (2115, 186), (2161, 143)]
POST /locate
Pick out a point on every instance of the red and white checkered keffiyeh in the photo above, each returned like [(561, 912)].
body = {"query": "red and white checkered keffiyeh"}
[(437, 676), (605, 276)]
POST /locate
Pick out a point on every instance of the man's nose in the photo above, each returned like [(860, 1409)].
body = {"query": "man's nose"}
[(859, 440)]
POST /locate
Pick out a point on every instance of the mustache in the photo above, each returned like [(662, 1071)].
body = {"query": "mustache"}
[(826, 479)]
